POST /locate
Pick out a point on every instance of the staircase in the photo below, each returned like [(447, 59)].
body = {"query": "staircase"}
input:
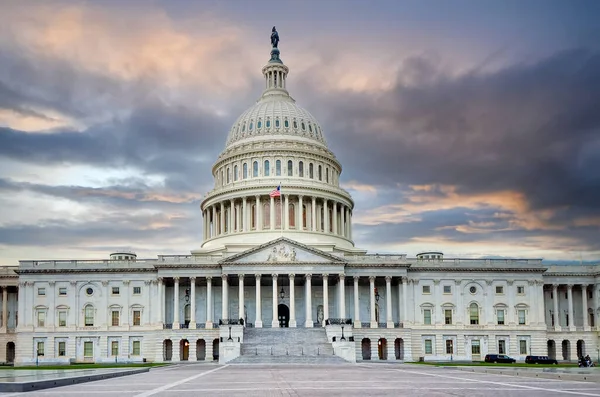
[(286, 345)]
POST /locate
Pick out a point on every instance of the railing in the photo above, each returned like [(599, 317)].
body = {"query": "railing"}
[(184, 326), (398, 325), (231, 321), (365, 325), (200, 325), (317, 324), (338, 321), (167, 326)]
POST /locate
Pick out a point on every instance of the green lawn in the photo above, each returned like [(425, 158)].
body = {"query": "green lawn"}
[(484, 364), (86, 366)]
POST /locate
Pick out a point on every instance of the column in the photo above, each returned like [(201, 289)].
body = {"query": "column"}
[(334, 217), (238, 218), (300, 212), (193, 303), (541, 308), (161, 300), (349, 224), (222, 219), (325, 298), (4, 306), (388, 302), (584, 305), (342, 302), (342, 221), (325, 216), (209, 306), (258, 322), (257, 212), (176, 303), (286, 213), (372, 301), (275, 321), (570, 302), (357, 323), (231, 213), (272, 215), (241, 298), (214, 221), (313, 217), (556, 313), (404, 317), (245, 214), (309, 322), (224, 297), (293, 323)]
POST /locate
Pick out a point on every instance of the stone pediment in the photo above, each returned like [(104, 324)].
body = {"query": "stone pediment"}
[(282, 250)]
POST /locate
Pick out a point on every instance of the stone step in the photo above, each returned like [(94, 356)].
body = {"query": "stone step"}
[(284, 349), (285, 335), (289, 360)]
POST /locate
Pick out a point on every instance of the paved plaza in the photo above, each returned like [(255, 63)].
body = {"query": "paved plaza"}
[(323, 380)]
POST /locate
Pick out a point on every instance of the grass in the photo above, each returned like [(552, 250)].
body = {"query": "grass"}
[(484, 364), (86, 366)]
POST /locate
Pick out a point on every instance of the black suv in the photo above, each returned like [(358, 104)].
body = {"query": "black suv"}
[(499, 358), (540, 360)]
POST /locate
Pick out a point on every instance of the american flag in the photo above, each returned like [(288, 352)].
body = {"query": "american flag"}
[(276, 192)]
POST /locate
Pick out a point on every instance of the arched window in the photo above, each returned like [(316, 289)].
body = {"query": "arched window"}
[(251, 126), (327, 175), (227, 214), (295, 124), (253, 216), (235, 172), (255, 169), (245, 171), (266, 215), (286, 123), (277, 123), (292, 215), (259, 124), (304, 216), (301, 169), (89, 316), (474, 313), (319, 174), (268, 123), (303, 126), (278, 168), (187, 312), (266, 170), (278, 214), (310, 171), (330, 221), (228, 174), (290, 168)]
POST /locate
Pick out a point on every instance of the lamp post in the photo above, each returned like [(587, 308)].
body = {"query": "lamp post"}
[(376, 295), (281, 294), (342, 338), (230, 339)]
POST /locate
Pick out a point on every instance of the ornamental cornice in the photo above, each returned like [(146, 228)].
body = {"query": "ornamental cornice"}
[(308, 153), (75, 271), (188, 266), (476, 269), (571, 274)]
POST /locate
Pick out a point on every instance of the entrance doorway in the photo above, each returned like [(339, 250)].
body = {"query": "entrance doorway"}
[(168, 350), (216, 349), (552, 349), (184, 350), (566, 350), (382, 349), (200, 350), (580, 348), (283, 314), (399, 348), (10, 352), (366, 349)]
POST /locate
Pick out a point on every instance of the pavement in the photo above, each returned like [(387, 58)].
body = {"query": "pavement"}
[(319, 380)]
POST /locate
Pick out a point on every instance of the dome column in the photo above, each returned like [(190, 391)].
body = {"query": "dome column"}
[(313, 218), (231, 216), (342, 222), (326, 216), (257, 215), (244, 215), (222, 219), (334, 217), (272, 214), (300, 212), (238, 218), (286, 213), (214, 221)]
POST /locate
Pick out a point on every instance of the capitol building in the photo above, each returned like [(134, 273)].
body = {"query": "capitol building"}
[(278, 277)]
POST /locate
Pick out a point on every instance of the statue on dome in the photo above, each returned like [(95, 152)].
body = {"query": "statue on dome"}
[(274, 37)]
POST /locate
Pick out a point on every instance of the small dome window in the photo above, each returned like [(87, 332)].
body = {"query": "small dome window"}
[(259, 124), (244, 128), (295, 124), (303, 126), (310, 128), (286, 123), (268, 124), (277, 123), (251, 126)]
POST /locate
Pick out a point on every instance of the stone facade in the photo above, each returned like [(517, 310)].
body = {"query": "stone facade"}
[(286, 257)]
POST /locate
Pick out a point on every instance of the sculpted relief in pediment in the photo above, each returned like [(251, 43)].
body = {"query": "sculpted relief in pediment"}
[(282, 253)]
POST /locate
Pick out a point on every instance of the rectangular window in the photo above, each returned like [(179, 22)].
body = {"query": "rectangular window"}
[(137, 317), (41, 291), (447, 289), (475, 347), (137, 290), (62, 291), (40, 348), (114, 348), (522, 347), (41, 319), (499, 290), (88, 349), (62, 349), (136, 348), (62, 318), (448, 316), (520, 290), (501, 347), (427, 317), (115, 290), (522, 319), (426, 289), (115, 318), (428, 346), (449, 346), (89, 316), (500, 316)]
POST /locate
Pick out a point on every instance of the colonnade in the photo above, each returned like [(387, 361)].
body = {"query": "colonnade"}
[(309, 322), (570, 315), (264, 213)]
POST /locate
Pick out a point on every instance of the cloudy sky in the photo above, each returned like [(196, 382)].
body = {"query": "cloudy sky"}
[(471, 127)]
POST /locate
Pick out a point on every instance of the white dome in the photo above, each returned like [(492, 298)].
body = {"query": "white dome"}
[(275, 115)]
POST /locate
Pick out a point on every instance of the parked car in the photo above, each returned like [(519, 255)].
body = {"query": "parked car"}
[(499, 358), (540, 360)]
